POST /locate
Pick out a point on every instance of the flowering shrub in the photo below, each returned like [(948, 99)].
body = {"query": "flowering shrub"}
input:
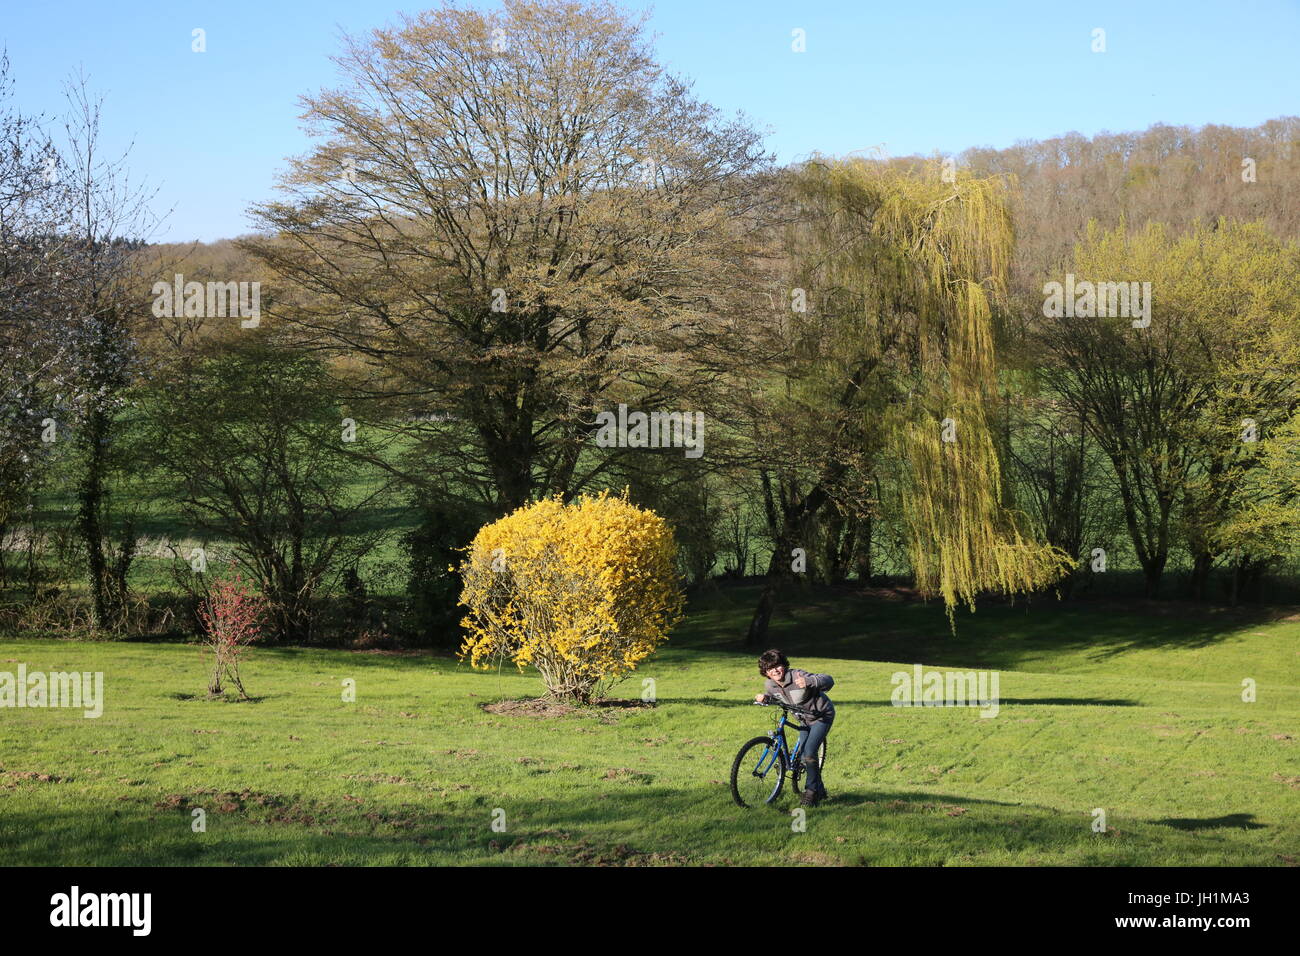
[(581, 591), (232, 619)]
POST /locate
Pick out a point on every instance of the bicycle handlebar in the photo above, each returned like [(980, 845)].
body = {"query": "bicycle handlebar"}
[(774, 702)]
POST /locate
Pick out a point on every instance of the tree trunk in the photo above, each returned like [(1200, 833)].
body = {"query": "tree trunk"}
[(864, 548), (1201, 575), (766, 603), (792, 521), (90, 496), (1152, 547), (1153, 569)]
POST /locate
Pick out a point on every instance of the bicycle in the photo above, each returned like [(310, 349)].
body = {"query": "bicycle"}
[(752, 778)]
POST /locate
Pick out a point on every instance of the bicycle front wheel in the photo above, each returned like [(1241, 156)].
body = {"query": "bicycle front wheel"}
[(758, 773)]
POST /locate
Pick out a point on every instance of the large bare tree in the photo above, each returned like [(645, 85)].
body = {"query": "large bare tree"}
[(34, 252), (514, 219)]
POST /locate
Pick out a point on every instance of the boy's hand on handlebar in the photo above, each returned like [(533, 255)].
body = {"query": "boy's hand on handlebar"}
[(760, 698)]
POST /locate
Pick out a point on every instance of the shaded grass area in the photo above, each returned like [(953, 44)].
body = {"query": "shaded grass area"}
[(1103, 707), (1044, 635)]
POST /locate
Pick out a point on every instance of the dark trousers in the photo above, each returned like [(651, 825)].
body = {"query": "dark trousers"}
[(811, 738)]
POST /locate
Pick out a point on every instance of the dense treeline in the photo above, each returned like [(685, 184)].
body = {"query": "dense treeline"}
[(498, 248)]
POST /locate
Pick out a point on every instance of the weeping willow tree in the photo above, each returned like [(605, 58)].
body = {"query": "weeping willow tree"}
[(909, 268)]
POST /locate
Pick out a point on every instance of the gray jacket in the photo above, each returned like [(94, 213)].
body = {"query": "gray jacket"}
[(813, 697)]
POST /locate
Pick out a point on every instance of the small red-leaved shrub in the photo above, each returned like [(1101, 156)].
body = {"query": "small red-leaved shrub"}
[(232, 619)]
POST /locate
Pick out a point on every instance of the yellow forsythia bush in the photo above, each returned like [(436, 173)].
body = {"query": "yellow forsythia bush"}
[(581, 591)]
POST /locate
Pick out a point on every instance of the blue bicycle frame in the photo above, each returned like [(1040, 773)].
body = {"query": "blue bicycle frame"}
[(769, 756)]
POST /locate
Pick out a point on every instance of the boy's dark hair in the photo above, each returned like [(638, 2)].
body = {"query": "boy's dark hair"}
[(769, 659)]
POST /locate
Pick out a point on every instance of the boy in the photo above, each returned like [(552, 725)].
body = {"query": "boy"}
[(805, 690)]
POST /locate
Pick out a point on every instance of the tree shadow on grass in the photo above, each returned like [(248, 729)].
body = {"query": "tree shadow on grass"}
[(885, 702), (623, 821), (856, 625), (1067, 702), (226, 698), (1233, 821), (859, 825)]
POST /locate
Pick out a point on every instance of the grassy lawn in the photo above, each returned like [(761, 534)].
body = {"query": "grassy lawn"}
[(1132, 710)]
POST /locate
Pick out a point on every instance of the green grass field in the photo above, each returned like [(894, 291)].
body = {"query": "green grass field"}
[(1135, 710)]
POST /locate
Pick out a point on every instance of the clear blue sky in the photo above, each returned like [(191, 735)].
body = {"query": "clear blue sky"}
[(912, 76)]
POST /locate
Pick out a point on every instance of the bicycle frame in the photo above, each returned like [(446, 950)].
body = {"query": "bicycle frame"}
[(779, 744)]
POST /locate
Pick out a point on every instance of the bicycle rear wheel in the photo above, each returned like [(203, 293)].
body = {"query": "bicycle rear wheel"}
[(796, 775), (758, 773)]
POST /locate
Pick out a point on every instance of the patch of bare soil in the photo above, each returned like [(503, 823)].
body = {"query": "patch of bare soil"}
[(10, 779), (813, 858), (583, 853), (375, 778), (272, 807), (541, 707), (626, 773), (605, 709)]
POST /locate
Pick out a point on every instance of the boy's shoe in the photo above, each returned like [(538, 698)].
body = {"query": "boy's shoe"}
[(822, 795), (808, 798)]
